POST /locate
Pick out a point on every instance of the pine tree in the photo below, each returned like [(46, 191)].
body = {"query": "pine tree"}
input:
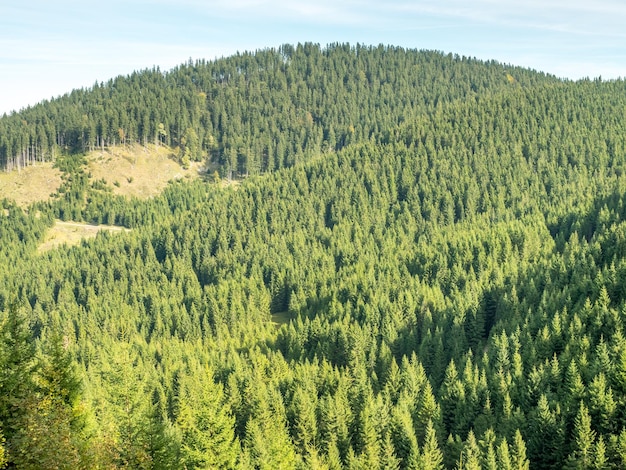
[(305, 426), (487, 447), (602, 406), (205, 423), (503, 456), (451, 389), (547, 436), (123, 415), (3, 455), (163, 440), (600, 461), (471, 455), (584, 438), (332, 457), (621, 449), (18, 367), (369, 434), (313, 460), (32, 446), (403, 435), (427, 411), (388, 459), (518, 454), (267, 438), (432, 458)]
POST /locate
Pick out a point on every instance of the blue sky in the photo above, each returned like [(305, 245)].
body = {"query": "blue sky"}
[(48, 48)]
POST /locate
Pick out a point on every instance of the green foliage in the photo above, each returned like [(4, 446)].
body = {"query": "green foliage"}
[(425, 268), (432, 458), (584, 438), (41, 398), (253, 112), (3, 456), (18, 367), (189, 149), (207, 429)]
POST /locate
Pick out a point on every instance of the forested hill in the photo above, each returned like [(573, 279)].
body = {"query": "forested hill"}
[(256, 112), (445, 289)]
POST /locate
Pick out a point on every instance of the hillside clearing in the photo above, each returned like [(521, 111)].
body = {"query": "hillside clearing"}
[(139, 171), (71, 233), (30, 184), (133, 170)]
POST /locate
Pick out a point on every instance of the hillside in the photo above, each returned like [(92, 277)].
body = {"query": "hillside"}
[(32, 184), (256, 112), (133, 171), (440, 287)]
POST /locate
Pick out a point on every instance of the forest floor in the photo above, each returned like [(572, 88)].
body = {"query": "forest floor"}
[(71, 233), (30, 184)]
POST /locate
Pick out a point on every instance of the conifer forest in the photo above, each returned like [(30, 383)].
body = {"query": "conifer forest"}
[(420, 264)]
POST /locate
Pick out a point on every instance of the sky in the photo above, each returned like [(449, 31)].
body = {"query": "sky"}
[(49, 47)]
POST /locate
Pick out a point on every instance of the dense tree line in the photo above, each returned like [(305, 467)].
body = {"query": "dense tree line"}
[(253, 112), (447, 294)]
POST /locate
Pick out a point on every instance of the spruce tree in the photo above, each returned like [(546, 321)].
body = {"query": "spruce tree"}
[(205, 423)]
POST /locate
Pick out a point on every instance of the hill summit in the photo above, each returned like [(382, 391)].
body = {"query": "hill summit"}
[(256, 112)]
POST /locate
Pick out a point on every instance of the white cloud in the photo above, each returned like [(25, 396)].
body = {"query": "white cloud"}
[(600, 18)]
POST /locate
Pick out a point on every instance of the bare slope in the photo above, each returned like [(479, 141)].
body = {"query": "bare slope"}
[(140, 171), (31, 184), (129, 171), (71, 233)]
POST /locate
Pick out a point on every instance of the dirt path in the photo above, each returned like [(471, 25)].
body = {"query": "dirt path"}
[(91, 227)]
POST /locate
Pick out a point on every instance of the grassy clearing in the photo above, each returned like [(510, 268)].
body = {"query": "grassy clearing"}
[(31, 184), (71, 233), (138, 171), (281, 318), (132, 170)]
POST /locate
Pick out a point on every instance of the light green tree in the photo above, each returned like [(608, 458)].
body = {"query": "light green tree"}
[(206, 425)]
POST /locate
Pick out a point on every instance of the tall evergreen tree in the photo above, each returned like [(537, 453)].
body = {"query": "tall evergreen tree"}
[(205, 423)]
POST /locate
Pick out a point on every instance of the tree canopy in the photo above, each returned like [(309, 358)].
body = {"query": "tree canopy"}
[(422, 267)]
